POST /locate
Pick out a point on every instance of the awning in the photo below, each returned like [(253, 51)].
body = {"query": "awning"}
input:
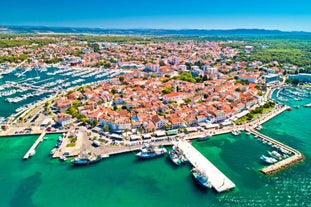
[(171, 132), (191, 129), (135, 137), (160, 133)]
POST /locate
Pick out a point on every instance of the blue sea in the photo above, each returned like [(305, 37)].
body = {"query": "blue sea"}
[(123, 180)]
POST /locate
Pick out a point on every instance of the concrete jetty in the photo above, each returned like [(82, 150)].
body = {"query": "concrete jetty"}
[(217, 179), (33, 147), (296, 157)]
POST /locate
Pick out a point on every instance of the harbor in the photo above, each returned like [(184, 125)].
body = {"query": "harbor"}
[(217, 179), (277, 166), (22, 87)]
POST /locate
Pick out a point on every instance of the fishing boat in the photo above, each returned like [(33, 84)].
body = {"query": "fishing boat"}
[(149, 151), (59, 143), (269, 160), (86, 159), (201, 178), (177, 157)]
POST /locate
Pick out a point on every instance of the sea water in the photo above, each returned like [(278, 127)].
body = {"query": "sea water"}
[(124, 180)]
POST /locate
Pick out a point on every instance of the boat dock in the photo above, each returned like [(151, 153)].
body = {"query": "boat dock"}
[(33, 147), (296, 157), (217, 179)]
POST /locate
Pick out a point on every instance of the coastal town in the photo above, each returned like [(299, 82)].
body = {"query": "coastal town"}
[(155, 103), (137, 94)]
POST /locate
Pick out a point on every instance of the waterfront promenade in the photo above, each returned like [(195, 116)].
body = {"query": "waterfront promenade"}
[(84, 143), (217, 179)]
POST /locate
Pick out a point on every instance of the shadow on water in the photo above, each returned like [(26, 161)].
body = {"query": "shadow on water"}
[(27, 187)]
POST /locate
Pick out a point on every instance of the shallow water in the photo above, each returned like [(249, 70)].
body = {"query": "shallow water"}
[(123, 180)]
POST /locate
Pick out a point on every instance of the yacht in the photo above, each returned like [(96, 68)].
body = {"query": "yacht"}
[(275, 155), (269, 160)]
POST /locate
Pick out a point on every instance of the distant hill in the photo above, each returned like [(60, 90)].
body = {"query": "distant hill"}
[(157, 32)]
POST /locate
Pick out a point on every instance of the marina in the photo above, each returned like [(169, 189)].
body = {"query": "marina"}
[(278, 164), (216, 178), (20, 87)]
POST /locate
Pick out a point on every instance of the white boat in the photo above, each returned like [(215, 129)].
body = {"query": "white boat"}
[(53, 151), (275, 155), (32, 153), (259, 127), (63, 158), (236, 132), (150, 151), (269, 160)]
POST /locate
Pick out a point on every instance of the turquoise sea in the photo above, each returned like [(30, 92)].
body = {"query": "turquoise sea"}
[(123, 180)]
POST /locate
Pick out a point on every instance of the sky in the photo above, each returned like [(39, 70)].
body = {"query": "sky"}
[(286, 15)]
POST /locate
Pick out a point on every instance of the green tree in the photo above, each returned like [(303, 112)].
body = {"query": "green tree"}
[(94, 123), (113, 91), (106, 128), (187, 100), (167, 90), (121, 78)]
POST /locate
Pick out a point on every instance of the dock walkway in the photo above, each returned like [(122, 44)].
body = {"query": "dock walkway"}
[(297, 156), (33, 147), (218, 180)]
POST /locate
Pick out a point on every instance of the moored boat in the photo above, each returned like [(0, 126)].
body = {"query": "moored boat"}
[(53, 151), (207, 137), (86, 159), (269, 160), (275, 155), (201, 178), (32, 153), (149, 151), (63, 158), (235, 132), (177, 157), (259, 127)]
